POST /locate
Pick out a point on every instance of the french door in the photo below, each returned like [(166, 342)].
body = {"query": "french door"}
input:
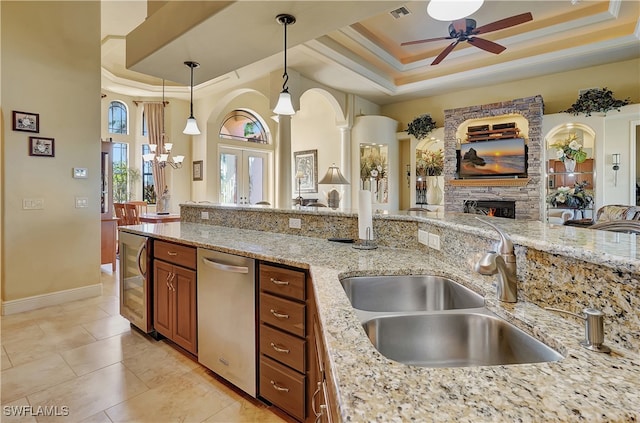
[(244, 176)]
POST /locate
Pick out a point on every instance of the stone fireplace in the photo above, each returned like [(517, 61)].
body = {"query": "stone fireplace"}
[(491, 208), (525, 193)]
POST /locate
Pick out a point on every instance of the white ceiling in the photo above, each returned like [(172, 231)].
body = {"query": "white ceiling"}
[(354, 46)]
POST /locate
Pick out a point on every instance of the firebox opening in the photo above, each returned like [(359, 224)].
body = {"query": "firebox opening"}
[(491, 208)]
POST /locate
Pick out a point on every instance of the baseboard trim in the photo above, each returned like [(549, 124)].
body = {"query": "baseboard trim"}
[(51, 299)]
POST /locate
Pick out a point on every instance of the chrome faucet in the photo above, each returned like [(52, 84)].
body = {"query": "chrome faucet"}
[(503, 264)]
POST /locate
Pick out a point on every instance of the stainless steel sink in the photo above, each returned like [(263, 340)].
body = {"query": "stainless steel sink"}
[(458, 339), (408, 293)]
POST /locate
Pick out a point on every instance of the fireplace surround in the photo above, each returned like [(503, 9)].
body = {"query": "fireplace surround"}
[(497, 208)]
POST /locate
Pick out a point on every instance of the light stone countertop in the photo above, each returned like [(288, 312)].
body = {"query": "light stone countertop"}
[(583, 386)]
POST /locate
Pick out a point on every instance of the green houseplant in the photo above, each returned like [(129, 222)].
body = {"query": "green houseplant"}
[(596, 100), (421, 126), (123, 179)]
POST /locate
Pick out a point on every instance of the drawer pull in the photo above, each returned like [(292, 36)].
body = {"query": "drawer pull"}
[(277, 282), (278, 387), (278, 314), (279, 349), (172, 253)]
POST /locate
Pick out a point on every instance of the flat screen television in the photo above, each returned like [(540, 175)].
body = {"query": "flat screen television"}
[(493, 159)]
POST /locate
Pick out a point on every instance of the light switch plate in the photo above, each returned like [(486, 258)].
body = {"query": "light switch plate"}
[(33, 203), (82, 202), (423, 237), (434, 241), (204, 215), (295, 223), (80, 172)]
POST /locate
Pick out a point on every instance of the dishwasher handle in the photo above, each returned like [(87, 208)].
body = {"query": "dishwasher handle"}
[(225, 267)]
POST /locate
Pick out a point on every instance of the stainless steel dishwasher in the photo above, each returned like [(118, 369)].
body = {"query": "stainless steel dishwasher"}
[(226, 317)]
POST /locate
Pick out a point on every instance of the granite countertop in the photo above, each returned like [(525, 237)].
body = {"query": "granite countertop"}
[(583, 386)]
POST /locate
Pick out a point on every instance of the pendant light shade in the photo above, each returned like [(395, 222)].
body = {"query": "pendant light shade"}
[(192, 125), (284, 105)]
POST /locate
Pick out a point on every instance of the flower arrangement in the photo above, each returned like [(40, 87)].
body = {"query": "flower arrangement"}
[(429, 163), (570, 148), (374, 165), (421, 126), (596, 100), (576, 197)]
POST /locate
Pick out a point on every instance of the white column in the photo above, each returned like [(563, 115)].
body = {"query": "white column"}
[(283, 164), (345, 166)]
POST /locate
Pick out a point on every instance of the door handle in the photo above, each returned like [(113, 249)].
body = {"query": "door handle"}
[(142, 248), (225, 267)]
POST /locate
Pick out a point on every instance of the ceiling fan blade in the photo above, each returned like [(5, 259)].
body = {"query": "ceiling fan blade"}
[(504, 23), (445, 52), (487, 45), (408, 43)]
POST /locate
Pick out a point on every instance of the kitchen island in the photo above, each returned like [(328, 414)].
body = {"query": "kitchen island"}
[(583, 386)]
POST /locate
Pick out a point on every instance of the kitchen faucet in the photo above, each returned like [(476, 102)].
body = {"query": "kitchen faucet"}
[(503, 264)]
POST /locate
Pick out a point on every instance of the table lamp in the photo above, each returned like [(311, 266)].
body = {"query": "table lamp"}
[(333, 177)]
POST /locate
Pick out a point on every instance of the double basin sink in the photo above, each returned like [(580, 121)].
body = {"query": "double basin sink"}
[(432, 321)]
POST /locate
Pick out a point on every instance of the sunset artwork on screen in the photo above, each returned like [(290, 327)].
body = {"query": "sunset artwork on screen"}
[(493, 158)]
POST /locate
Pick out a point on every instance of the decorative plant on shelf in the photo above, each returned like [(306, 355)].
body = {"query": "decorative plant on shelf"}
[(596, 100), (569, 148), (576, 197), (421, 126), (373, 165), (429, 163)]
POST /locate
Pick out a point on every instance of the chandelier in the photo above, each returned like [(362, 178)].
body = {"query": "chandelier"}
[(163, 159)]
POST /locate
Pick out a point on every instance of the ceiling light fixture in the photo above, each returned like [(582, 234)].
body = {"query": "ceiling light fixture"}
[(451, 10), (163, 159), (284, 106), (192, 126)]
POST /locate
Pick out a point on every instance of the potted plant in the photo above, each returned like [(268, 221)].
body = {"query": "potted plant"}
[(596, 100), (421, 126), (576, 197)]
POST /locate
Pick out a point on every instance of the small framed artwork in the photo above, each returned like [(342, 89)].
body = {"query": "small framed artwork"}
[(307, 163), (25, 121), (197, 170), (39, 146)]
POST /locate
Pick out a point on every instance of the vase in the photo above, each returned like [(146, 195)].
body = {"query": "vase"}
[(569, 164), (434, 193)]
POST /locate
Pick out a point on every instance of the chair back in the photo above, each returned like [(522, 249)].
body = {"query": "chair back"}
[(120, 214), (141, 206), (131, 214)]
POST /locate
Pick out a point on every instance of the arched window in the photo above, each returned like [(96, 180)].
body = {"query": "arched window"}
[(244, 126), (118, 117)]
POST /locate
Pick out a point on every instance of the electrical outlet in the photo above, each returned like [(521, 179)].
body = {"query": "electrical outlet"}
[(434, 241), (423, 237), (204, 215), (82, 202), (33, 203), (295, 223)]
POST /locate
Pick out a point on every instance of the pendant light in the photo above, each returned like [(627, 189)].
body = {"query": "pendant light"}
[(192, 125), (284, 106)]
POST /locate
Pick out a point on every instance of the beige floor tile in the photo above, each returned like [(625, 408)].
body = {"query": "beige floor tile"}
[(22, 333), (55, 340), (111, 305), (94, 356), (104, 328), (17, 411), (187, 400), (101, 417), (91, 393), (6, 363), (159, 366), (19, 381), (76, 316), (244, 411), (14, 321)]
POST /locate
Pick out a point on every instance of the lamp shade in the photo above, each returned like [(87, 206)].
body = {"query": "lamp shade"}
[(451, 10), (284, 106), (192, 127), (334, 177)]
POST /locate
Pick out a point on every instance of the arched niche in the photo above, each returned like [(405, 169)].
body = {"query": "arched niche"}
[(558, 175), (432, 144)]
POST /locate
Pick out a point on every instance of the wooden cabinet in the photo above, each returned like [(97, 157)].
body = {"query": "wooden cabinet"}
[(286, 378), (321, 401), (108, 241), (174, 282)]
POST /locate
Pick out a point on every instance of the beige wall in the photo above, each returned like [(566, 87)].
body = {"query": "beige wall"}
[(558, 91), (51, 65)]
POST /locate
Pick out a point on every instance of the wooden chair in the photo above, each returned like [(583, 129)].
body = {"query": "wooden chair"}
[(140, 205), (120, 214), (131, 214)]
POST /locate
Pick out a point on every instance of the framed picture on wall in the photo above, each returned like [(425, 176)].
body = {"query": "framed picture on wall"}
[(39, 146), (25, 121), (306, 162), (197, 170)]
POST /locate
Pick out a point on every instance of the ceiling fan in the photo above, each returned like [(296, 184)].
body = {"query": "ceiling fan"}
[(465, 30)]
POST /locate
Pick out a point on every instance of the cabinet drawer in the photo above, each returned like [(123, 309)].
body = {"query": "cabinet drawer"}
[(283, 387), (174, 253), (284, 314), (285, 282), (283, 347)]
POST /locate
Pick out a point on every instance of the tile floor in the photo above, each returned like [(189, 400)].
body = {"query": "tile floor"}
[(82, 361)]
